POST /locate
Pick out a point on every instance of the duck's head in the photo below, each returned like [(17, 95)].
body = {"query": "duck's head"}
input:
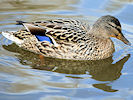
[(109, 26)]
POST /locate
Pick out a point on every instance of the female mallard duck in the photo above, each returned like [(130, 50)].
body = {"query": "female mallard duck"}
[(69, 39)]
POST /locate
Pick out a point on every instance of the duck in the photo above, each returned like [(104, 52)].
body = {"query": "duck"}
[(69, 38)]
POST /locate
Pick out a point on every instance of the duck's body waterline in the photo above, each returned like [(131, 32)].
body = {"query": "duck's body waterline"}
[(69, 39)]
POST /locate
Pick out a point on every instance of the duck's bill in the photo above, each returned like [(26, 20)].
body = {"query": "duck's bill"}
[(123, 39)]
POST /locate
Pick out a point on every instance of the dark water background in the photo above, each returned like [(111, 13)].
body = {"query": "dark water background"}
[(24, 77)]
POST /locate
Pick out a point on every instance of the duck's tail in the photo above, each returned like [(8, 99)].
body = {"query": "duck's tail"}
[(10, 35)]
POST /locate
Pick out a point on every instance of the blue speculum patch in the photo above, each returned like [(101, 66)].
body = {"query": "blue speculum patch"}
[(43, 38)]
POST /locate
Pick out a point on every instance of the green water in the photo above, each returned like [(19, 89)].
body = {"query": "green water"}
[(23, 76)]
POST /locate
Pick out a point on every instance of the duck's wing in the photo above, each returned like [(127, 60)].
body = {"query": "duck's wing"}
[(58, 30)]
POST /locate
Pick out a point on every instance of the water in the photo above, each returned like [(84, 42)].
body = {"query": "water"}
[(23, 76)]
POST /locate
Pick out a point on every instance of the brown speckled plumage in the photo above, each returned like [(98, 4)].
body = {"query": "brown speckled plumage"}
[(71, 39)]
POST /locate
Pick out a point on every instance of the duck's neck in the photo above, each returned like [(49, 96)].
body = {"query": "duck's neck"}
[(99, 31), (105, 46)]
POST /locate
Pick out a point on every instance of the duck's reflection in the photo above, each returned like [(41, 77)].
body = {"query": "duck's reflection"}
[(102, 70)]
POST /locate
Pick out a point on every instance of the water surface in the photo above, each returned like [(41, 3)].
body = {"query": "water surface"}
[(24, 76)]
